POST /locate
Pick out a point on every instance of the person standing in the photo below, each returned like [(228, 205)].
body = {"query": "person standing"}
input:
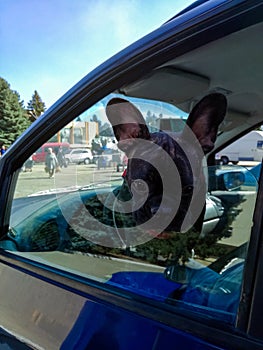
[(51, 162), (3, 150), (61, 158)]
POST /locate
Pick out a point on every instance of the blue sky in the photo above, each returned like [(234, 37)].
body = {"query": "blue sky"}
[(49, 45)]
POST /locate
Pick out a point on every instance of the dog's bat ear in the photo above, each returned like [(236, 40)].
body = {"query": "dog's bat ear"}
[(126, 120), (205, 118)]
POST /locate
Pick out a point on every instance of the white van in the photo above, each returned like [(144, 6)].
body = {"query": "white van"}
[(247, 148)]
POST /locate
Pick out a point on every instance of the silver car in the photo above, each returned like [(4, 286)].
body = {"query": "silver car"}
[(79, 156)]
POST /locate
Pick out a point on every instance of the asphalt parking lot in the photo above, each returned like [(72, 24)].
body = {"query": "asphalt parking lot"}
[(72, 176)]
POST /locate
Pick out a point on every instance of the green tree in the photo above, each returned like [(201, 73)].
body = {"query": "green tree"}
[(35, 107), (94, 118), (12, 114), (151, 119)]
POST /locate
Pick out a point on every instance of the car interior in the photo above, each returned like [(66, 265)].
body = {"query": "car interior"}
[(200, 272), (226, 65)]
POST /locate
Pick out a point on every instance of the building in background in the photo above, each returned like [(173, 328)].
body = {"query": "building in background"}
[(79, 133)]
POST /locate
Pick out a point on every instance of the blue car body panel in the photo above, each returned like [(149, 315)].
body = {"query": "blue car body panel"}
[(114, 329)]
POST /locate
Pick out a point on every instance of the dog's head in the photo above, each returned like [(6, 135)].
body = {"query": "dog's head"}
[(165, 169)]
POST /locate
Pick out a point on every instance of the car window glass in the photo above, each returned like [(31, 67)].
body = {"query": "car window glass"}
[(75, 217)]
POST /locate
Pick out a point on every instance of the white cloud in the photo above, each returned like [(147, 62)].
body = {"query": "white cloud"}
[(111, 20)]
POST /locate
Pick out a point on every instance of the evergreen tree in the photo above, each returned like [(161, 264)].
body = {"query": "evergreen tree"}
[(151, 119), (35, 107), (94, 118), (12, 114)]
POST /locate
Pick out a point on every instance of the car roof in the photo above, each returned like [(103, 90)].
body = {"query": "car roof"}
[(226, 65), (188, 8)]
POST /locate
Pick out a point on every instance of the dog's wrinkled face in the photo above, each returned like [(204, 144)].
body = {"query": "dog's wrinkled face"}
[(164, 170)]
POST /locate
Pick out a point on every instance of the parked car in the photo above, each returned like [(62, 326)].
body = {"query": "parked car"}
[(40, 155), (78, 156), (77, 271)]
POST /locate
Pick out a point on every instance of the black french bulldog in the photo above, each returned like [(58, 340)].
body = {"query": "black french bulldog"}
[(165, 176)]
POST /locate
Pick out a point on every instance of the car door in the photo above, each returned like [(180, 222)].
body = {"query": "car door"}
[(75, 156), (76, 275)]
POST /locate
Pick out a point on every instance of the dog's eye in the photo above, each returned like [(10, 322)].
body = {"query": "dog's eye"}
[(140, 186), (187, 190)]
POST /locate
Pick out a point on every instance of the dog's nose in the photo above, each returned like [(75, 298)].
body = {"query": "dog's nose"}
[(207, 144), (207, 148)]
